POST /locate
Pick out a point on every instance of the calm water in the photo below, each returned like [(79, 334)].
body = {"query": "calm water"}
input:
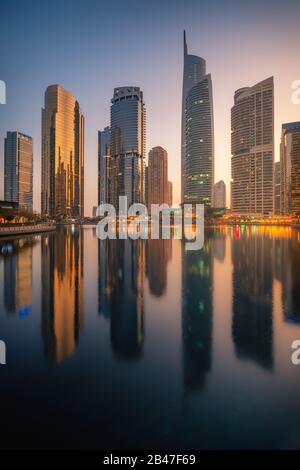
[(123, 344)]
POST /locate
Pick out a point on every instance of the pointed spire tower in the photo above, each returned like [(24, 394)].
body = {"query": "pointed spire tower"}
[(185, 49), (194, 71)]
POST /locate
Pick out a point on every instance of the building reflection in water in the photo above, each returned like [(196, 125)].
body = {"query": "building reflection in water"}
[(17, 256), (219, 244), (62, 292), (197, 280), (120, 287), (252, 325), (287, 271), (158, 254)]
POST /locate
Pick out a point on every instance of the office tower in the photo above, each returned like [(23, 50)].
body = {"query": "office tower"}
[(197, 132), (252, 148), (62, 155), (277, 189), (103, 165), (2, 92), (146, 185), (290, 168), (158, 176), (170, 193), (18, 170), (219, 195), (127, 145)]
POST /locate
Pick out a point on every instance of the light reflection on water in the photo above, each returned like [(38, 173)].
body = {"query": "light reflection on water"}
[(131, 344)]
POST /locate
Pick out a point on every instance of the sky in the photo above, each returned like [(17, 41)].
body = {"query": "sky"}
[(91, 47)]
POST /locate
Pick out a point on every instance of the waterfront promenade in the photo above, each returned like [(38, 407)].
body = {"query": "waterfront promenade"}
[(10, 230)]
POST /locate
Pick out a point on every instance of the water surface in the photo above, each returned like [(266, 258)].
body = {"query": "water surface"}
[(140, 344)]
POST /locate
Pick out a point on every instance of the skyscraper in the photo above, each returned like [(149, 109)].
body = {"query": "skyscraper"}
[(170, 193), (128, 126), (197, 131), (146, 185), (277, 187), (158, 177), (18, 169), (252, 149), (62, 154), (103, 166), (290, 168), (219, 195)]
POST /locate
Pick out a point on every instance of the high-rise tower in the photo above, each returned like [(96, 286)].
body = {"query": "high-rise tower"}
[(290, 168), (158, 188), (18, 170), (104, 166), (219, 199), (127, 145), (62, 154), (252, 149), (277, 188), (197, 131)]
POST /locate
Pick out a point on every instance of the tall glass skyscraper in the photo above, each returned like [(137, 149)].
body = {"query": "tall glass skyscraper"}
[(18, 169), (277, 187), (197, 131), (128, 126), (62, 154), (103, 166), (252, 149), (290, 168)]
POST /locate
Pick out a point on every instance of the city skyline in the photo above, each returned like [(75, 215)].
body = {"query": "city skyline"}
[(150, 230), (273, 56)]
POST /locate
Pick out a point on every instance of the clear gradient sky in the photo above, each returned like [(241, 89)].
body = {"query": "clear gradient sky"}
[(90, 47)]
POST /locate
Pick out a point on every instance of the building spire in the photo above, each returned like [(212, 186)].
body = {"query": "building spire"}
[(184, 43)]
